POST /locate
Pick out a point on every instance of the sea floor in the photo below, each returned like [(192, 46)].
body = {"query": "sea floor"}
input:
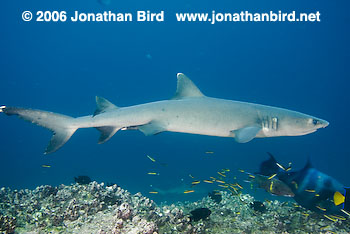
[(96, 208)]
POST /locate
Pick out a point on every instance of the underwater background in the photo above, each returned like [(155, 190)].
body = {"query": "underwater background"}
[(61, 67)]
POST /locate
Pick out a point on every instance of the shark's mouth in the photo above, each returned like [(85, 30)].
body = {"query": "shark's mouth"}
[(308, 132)]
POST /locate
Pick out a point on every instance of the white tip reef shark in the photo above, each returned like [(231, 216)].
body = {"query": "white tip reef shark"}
[(189, 111)]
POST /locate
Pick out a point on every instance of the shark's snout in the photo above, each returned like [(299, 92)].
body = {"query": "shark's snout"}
[(324, 123), (320, 123)]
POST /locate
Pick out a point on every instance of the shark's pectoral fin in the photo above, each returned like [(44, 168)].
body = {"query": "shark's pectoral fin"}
[(106, 133), (246, 134), (103, 105), (152, 128)]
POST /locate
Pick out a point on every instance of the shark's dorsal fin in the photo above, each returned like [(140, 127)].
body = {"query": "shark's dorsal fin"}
[(103, 105), (186, 88)]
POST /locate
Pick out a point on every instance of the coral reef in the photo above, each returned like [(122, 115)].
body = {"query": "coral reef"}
[(7, 224), (96, 208)]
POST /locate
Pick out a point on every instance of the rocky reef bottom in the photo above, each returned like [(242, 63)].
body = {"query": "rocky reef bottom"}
[(96, 208)]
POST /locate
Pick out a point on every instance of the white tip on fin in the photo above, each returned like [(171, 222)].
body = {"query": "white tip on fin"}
[(2, 108), (186, 88)]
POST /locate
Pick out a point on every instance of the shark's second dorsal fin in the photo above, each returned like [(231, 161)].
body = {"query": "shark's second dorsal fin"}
[(103, 105), (186, 88)]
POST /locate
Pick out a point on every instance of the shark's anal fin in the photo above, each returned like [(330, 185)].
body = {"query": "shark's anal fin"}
[(106, 133), (246, 134), (152, 128), (186, 88), (103, 105)]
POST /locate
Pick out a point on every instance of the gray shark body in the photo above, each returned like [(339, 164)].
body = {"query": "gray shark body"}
[(189, 111)]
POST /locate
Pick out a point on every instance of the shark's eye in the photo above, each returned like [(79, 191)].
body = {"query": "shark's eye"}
[(315, 121)]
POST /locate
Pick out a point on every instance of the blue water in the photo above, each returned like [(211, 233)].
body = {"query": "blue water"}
[(60, 67)]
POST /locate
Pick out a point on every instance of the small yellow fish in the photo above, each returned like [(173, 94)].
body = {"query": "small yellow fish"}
[(271, 186), (268, 201), (213, 178), (152, 159), (152, 173), (325, 227), (295, 205), (306, 214), (226, 169), (238, 213), (224, 186), (271, 176), (208, 181), (317, 195), (338, 217), (310, 190), (153, 192), (191, 176), (334, 220), (232, 191), (345, 212), (220, 181), (195, 182), (251, 176), (280, 166), (46, 166), (318, 207), (241, 171), (289, 168), (295, 184), (221, 174), (239, 186), (209, 152), (188, 191)]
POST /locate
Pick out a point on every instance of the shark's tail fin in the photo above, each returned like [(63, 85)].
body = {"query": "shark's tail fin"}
[(62, 126)]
